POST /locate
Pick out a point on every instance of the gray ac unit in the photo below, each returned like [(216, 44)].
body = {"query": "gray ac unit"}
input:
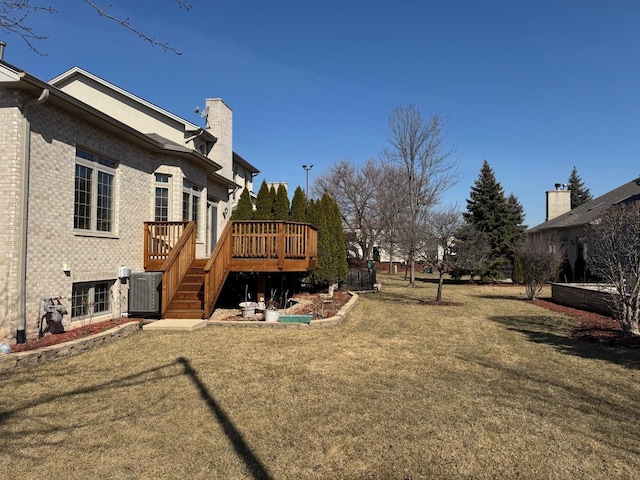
[(145, 289)]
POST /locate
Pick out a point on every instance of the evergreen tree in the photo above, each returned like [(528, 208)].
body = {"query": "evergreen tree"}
[(244, 209), (332, 255), (299, 206), (501, 218), (281, 205), (273, 194), (579, 193), (264, 203), (514, 227)]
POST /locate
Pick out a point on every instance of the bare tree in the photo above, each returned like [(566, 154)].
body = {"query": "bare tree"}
[(389, 200), (472, 250), (354, 189), (541, 257), (614, 254), (15, 16), (444, 225), (418, 150)]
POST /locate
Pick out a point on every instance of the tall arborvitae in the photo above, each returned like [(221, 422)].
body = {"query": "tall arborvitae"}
[(579, 193), (332, 256), (299, 206), (244, 209), (273, 195), (264, 203), (281, 205), (500, 218)]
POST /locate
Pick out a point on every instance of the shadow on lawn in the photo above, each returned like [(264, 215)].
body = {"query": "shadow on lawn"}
[(252, 462), (544, 330)]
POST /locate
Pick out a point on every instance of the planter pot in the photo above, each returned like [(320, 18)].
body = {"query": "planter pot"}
[(271, 315), (248, 309), (295, 318)]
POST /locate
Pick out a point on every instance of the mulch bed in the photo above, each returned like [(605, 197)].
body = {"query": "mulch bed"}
[(309, 303), (439, 303), (53, 339), (593, 327)]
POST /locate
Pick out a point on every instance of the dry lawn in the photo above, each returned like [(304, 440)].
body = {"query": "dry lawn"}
[(492, 387)]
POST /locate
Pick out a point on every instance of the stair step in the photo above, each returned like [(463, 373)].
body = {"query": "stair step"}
[(178, 313), (185, 304), (189, 295), (190, 286)]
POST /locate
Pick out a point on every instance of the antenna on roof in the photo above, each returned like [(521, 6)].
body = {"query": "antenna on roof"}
[(204, 114)]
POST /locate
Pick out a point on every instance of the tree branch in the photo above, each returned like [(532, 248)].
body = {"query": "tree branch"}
[(124, 22)]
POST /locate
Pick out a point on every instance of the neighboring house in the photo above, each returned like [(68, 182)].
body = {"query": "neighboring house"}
[(85, 164), (570, 225)]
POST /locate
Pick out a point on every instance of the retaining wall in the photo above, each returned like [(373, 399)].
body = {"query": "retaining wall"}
[(589, 297)]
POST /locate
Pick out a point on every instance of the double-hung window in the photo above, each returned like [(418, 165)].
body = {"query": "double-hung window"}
[(191, 203), (94, 193), (162, 197)]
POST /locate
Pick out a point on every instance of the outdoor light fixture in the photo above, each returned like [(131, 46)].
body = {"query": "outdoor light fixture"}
[(306, 169)]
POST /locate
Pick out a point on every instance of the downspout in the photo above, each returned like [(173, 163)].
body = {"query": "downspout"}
[(23, 218)]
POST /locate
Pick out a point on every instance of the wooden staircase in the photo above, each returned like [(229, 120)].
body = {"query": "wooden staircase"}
[(191, 286), (188, 301)]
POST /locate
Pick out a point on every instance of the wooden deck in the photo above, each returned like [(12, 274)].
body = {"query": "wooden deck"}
[(246, 246)]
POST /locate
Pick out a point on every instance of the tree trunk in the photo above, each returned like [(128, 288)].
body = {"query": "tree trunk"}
[(440, 283)]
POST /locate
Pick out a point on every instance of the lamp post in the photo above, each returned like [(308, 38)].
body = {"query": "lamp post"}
[(306, 169)]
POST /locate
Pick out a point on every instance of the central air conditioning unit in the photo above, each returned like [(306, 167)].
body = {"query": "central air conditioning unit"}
[(145, 289)]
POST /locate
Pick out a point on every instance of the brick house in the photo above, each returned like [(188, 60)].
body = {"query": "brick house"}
[(85, 165), (570, 225)]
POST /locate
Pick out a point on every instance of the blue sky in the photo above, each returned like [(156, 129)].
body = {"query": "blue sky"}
[(533, 87)]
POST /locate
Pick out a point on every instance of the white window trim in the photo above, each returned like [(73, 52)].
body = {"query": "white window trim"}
[(168, 185), (96, 167)]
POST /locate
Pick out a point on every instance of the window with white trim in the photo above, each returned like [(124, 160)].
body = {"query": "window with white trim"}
[(91, 298), (94, 193), (191, 203), (163, 182)]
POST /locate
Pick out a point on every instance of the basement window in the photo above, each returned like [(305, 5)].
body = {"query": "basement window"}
[(90, 299)]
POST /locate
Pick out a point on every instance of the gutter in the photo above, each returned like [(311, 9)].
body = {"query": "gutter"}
[(23, 217)]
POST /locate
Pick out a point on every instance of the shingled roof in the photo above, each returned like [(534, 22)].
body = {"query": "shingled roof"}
[(592, 210)]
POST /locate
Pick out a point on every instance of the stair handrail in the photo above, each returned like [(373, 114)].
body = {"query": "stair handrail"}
[(217, 269), (177, 264)]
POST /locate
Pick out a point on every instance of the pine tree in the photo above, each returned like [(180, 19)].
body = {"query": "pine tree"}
[(281, 205), (264, 203), (299, 206), (515, 227), (579, 193), (244, 209), (499, 217)]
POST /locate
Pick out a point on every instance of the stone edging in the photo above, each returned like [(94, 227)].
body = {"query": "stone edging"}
[(79, 345), (320, 323), (66, 349)]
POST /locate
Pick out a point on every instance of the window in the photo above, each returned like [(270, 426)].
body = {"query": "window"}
[(190, 202), (94, 191), (89, 299), (162, 198)]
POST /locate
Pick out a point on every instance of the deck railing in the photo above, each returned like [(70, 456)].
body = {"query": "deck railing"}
[(217, 269), (170, 248), (160, 238), (174, 245)]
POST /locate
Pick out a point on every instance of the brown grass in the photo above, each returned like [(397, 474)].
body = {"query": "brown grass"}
[(490, 386)]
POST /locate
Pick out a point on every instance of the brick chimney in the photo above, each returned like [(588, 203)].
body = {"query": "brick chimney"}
[(558, 201), (220, 124)]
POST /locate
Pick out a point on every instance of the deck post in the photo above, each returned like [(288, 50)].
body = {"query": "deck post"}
[(262, 286)]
